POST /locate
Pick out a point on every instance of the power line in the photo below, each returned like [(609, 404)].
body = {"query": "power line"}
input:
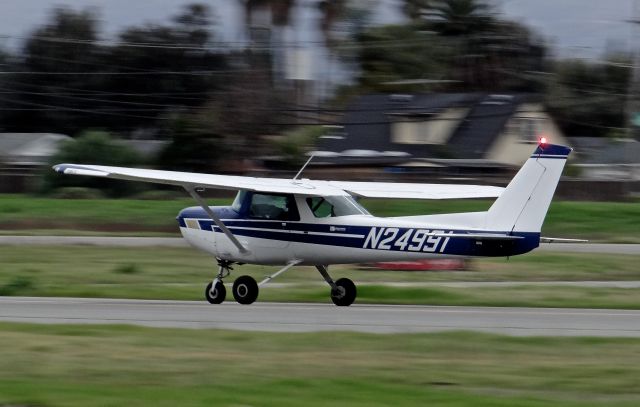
[(218, 45), (108, 73)]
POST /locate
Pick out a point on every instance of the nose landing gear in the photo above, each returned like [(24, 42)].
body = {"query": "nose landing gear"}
[(245, 288), (217, 294)]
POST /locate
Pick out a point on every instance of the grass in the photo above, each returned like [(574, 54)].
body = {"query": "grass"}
[(611, 222), (18, 212), (181, 273), (117, 365)]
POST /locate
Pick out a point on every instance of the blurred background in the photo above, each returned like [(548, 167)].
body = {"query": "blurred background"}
[(402, 90), (455, 91)]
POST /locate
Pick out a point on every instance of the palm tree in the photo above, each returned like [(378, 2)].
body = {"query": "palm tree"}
[(415, 9), (459, 17), (280, 11), (331, 10)]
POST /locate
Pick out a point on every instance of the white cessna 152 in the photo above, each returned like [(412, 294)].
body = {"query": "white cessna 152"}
[(308, 222)]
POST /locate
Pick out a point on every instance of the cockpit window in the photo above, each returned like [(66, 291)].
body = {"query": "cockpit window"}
[(275, 207), (333, 206)]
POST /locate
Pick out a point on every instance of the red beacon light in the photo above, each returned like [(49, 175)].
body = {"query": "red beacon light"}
[(543, 141)]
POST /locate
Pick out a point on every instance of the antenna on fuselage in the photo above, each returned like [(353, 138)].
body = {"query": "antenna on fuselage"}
[(303, 167)]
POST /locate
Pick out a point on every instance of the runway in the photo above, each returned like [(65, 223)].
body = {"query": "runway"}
[(278, 317)]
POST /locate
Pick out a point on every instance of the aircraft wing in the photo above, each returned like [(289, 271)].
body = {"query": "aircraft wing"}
[(197, 180), (416, 191), (287, 186)]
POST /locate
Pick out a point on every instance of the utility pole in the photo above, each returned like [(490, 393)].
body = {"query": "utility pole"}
[(633, 92)]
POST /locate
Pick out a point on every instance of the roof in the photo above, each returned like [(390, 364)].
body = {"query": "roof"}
[(367, 125), (30, 148)]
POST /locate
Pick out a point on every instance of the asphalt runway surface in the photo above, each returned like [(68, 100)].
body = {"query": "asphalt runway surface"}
[(116, 241), (278, 317)]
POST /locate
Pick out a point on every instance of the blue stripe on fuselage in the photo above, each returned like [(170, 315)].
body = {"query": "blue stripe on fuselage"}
[(364, 237)]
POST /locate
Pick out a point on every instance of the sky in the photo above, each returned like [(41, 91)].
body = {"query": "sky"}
[(579, 28)]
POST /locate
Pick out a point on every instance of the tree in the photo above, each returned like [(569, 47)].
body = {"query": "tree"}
[(400, 52), (416, 10), (459, 17), (176, 59), (194, 145), (66, 44), (95, 147), (280, 11), (332, 11), (459, 40), (589, 99)]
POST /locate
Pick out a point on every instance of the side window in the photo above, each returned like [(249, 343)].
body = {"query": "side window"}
[(320, 207), (334, 206), (273, 207)]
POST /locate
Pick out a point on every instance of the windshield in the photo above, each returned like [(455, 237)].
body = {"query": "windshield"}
[(237, 203), (333, 206)]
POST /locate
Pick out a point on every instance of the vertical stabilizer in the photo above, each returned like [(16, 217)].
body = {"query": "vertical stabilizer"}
[(523, 205)]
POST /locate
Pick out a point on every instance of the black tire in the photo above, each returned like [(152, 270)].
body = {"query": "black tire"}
[(345, 294), (245, 290), (218, 295)]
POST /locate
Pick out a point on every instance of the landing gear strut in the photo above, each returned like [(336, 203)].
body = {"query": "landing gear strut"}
[(343, 291), (215, 292), (245, 288)]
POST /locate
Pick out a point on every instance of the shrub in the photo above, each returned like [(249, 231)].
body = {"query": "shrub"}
[(17, 285), (93, 147), (77, 193), (127, 269)]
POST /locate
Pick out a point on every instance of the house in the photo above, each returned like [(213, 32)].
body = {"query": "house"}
[(23, 154), (29, 149), (448, 131)]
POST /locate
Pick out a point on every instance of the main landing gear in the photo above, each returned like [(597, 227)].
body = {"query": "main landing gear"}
[(245, 289), (343, 291)]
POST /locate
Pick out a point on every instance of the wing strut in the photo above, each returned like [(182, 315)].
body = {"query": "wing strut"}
[(216, 219)]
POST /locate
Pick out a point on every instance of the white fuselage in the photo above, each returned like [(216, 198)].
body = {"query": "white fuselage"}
[(341, 239)]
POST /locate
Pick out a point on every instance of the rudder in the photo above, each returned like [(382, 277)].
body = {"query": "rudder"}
[(523, 205)]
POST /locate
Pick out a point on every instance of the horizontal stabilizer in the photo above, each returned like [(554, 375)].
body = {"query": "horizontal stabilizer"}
[(560, 240), (477, 236)]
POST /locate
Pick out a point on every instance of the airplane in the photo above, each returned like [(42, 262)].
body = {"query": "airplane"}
[(291, 222)]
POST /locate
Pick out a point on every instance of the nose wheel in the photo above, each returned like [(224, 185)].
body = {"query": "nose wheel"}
[(245, 289), (217, 294)]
